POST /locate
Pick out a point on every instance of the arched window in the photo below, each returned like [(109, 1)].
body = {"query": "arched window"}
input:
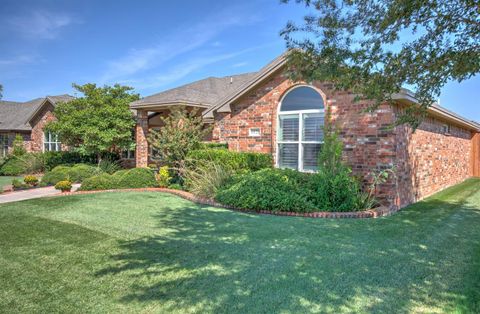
[(300, 129)]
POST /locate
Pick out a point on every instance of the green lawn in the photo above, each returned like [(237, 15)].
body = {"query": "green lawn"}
[(6, 180), (152, 252)]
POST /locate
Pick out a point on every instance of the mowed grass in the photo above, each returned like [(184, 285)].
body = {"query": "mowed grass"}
[(153, 252), (6, 180)]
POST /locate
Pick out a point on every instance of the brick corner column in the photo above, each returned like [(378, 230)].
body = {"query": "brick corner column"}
[(141, 153)]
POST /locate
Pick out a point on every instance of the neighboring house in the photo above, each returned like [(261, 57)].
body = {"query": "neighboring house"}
[(266, 112), (28, 119)]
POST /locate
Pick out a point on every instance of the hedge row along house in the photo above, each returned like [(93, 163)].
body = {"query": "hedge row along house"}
[(266, 112)]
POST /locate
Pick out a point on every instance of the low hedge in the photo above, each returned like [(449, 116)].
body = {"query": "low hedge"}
[(268, 189), (290, 190), (232, 160), (76, 173), (17, 165), (123, 179)]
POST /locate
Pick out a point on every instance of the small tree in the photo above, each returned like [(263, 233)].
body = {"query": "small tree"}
[(18, 146), (97, 123), (182, 132)]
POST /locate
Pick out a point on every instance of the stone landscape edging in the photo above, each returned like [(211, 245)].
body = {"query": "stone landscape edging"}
[(372, 213)]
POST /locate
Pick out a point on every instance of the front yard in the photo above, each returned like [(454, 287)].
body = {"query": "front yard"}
[(153, 252)]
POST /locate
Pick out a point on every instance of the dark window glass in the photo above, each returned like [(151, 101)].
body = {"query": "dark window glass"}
[(302, 98)]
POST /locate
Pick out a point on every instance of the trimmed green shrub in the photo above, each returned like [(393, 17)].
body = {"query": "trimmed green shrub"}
[(123, 179), (269, 189), (136, 178), (56, 175), (80, 172), (76, 173), (103, 181), (231, 160)]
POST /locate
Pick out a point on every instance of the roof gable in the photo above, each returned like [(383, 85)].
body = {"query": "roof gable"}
[(15, 116)]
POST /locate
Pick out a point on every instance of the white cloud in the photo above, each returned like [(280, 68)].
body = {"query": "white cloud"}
[(41, 24), (18, 60), (179, 42), (239, 64)]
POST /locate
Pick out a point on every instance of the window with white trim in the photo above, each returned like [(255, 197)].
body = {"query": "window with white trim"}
[(51, 142), (300, 129), (3, 145)]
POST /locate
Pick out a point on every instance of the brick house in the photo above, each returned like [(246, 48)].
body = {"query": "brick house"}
[(266, 112), (28, 119)]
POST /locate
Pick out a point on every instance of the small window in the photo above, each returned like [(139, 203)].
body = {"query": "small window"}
[(3, 145), (255, 132), (51, 142)]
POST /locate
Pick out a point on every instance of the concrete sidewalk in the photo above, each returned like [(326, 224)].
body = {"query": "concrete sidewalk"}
[(33, 193)]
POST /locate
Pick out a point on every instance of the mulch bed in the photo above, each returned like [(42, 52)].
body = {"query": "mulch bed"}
[(373, 213)]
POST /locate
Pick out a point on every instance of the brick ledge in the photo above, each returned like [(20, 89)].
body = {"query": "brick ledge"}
[(372, 213)]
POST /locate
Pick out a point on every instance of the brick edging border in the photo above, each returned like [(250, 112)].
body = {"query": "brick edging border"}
[(372, 213)]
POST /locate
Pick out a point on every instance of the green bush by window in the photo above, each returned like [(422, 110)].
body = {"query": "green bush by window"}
[(269, 189), (232, 160)]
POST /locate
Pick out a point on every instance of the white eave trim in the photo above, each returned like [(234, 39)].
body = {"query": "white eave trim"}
[(408, 97)]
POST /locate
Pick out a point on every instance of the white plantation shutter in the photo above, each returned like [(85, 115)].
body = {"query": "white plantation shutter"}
[(300, 129)]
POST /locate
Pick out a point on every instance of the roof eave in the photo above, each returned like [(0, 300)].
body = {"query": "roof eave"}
[(407, 97), (157, 105)]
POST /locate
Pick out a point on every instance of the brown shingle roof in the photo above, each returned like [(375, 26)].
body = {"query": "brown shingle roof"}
[(15, 116), (204, 92)]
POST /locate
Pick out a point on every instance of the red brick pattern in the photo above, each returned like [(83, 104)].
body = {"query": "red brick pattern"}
[(141, 133)]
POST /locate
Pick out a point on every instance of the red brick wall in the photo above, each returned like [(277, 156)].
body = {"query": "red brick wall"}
[(38, 123), (430, 160), (426, 161)]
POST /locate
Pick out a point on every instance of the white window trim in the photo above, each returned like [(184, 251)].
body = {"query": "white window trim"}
[(300, 129), (50, 142)]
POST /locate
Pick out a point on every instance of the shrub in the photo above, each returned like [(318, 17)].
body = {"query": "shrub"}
[(18, 184), (76, 173), (268, 189), (31, 180), (213, 145), (163, 177), (13, 166), (103, 181), (123, 179), (207, 179), (59, 173), (235, 161), (109, 166), (136, 178), (63, 185), (80, 172), (18, 146), (53, 159)]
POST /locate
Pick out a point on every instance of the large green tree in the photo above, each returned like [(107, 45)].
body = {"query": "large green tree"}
[(98, 122), (375, 48), (1, 91)]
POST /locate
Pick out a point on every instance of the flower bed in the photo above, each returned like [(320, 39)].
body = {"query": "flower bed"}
[(373, 213)]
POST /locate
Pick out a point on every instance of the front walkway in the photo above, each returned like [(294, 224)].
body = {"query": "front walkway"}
[(33, 193)]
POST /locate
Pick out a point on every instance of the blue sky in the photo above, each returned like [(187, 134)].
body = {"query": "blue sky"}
[(45, 46)]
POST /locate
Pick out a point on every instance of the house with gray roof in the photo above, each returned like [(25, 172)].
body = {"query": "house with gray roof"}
[(28, 119), (267, 112)]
